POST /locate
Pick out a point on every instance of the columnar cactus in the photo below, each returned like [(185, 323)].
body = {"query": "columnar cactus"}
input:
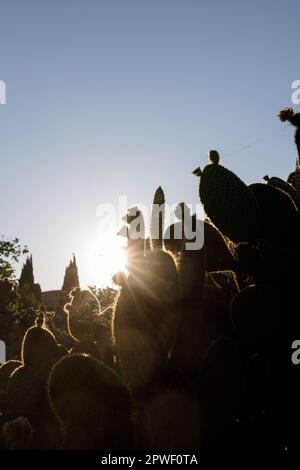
[(134, 231), (157, 219)]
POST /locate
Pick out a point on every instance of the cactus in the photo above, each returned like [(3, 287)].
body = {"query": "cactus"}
[(157, 219), (134, 231), (145, 321), (280, 221), (6, 370), (213, 156), (229, 203), (86, 324), (288, 114), (283, 185), (18, 434), (91, 402), (254, 314), (82, 310), (174, 236), (39, 345), (218, 256), (291, 179), (174, 243)]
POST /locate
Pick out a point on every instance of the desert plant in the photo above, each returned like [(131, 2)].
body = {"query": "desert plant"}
[(229, 203), (91, 403), (18, 434), (157, 219), (280, 220)]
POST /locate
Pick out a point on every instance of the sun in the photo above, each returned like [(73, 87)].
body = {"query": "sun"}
[(102, 258)]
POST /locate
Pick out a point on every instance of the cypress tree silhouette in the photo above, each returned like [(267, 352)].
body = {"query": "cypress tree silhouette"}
[(71, 279), (26, 277), (29, 290)]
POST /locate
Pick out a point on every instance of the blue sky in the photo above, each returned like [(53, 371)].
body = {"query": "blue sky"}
[(117, 97)]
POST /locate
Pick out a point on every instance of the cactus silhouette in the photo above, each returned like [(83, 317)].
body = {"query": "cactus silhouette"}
[(6, 369), (18, 434), (283, 185), (229, 203), (288, 114), (26, 392), (157, 219), (39, 344), (145, 322), (134, 231), (87, 327), (91, 403), (280, 220)]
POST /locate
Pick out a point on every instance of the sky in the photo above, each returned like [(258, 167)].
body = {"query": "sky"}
[(115, 97)]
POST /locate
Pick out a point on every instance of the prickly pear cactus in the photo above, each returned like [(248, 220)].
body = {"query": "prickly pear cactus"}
[(280, 220), (283, 185), (229, 203)]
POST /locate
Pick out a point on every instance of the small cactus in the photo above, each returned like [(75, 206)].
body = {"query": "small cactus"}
[(213, 157), (39, 345), (18, 434)]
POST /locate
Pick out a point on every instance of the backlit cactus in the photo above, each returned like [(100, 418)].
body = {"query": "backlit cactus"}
[(280, 220), (157, 219), (39, 345), (91, 402), (229, 203), (18, 434), (283, 185)]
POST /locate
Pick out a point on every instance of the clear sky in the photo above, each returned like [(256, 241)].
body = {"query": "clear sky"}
[(117, 97)]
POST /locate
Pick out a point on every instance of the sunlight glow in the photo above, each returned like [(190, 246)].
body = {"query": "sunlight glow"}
[(101, 259)]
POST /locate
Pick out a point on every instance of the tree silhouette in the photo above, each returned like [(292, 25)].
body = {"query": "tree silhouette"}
[(29, 291), (71, 278)]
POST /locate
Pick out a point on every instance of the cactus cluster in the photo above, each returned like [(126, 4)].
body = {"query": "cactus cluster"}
[(191, 348)]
